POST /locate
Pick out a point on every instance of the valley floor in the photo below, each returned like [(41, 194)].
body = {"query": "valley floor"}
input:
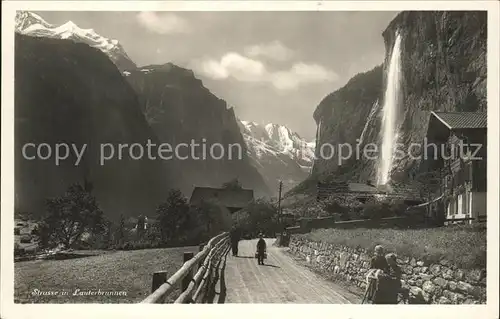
[(128, 273)]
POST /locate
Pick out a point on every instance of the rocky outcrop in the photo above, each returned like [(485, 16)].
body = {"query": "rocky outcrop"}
[(435, 283), (181, 110), (67, 92), (443, 69)]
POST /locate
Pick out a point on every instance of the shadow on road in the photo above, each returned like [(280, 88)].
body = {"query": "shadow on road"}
[(274, 266), (251, 257)]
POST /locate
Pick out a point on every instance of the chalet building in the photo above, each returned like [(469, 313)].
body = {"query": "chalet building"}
[(232, 199), (458, 153)]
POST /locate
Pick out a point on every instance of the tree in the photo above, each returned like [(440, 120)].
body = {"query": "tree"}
[(141, 223), (108, 235), (70, 216), (262, 216), (212, 216), (431, 185), (173, 216), (430, 182), (120, 232), (233, 184)]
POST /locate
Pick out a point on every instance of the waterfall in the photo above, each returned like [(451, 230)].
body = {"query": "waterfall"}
[(373, 111), (390, 111)]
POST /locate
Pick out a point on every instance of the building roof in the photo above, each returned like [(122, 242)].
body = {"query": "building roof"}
[(362, 188), (462, 120), (231, 198), (404, 190), (349, 187)]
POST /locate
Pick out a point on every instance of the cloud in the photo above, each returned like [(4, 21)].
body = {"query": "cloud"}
[(163, 23), (274, 50), (234, 65), (302, 73), (244, 69)]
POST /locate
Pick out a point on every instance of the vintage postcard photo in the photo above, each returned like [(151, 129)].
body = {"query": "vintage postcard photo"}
[(220, 153)]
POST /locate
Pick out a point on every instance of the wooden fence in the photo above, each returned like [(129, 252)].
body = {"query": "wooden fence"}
[(199, 287)]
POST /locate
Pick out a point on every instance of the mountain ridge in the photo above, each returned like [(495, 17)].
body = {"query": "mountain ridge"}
[(69, 92), (278, 153), (29, 23)]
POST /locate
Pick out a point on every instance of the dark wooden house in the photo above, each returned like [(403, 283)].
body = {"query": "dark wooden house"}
[(456, 147)]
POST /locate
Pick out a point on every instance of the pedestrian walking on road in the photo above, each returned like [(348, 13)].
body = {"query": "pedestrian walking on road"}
[(261, 249), (235, 239)]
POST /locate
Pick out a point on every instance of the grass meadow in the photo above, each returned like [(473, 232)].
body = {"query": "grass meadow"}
[(129, 272), (464, 246)]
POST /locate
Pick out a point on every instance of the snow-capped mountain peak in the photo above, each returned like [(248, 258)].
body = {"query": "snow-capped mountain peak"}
[(25, 19), (278, 153), (29, 23), (277, 139)]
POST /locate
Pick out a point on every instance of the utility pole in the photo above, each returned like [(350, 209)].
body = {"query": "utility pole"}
[(279, 203)]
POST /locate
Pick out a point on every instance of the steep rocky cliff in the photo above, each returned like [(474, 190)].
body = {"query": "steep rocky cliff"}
[(67, 92), (181, 110), (444, 68), (348, 115), (443, 58)]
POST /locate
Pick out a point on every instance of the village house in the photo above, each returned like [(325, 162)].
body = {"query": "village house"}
[(232, 199), (461, 158)]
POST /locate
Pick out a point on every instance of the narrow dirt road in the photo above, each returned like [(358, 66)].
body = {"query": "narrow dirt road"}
[(280, 280)]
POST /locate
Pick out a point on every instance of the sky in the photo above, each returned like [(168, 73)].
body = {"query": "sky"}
[(270, 66)]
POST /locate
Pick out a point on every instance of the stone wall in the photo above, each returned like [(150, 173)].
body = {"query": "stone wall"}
[(436, 283)]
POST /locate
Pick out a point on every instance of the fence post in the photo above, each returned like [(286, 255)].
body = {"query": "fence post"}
[(201, 261), (159, 278), (189, 276)]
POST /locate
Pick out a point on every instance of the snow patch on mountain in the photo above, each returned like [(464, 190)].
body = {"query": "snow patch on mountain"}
[(278, 139), (29, 23), (278, 152)]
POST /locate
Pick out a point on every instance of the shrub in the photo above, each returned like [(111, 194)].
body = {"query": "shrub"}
[(18, 250), (347, 206), (377, 209), (25, 239), (34, 231), (259, 216)]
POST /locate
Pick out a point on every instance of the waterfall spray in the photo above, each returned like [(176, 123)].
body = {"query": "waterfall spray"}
[(390, 112)]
